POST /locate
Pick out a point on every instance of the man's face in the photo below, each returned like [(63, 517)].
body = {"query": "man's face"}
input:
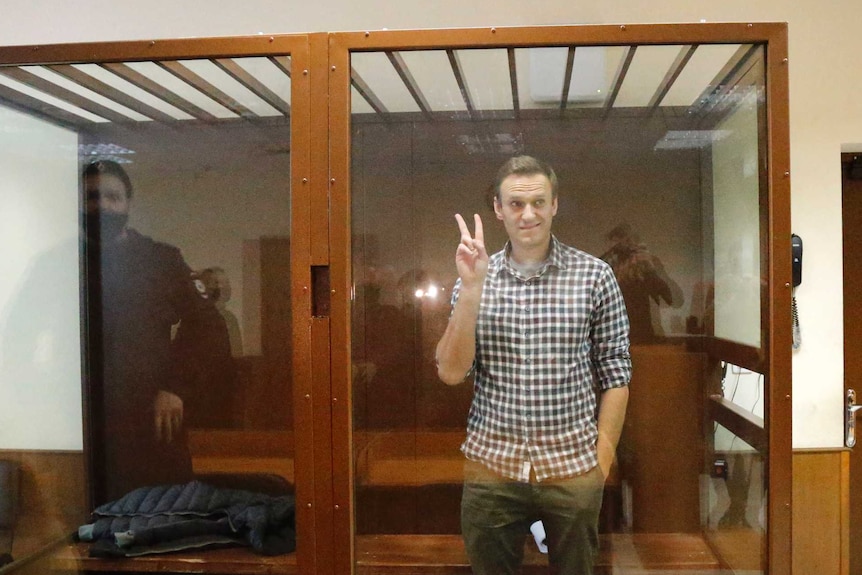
[(526, 207), (107, 206)]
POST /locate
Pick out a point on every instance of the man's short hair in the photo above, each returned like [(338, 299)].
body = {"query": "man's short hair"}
[(111, 168), (525, 166)]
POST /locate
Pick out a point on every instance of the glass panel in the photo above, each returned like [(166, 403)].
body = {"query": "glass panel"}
[(269, 74), (240, 93), (203, 312), (704, 66), (23, 88), (647, 70), (42, 488), (359, 104), (433, 74), (736, 205), (175, 85), (62, 82), (733, 496), (479, 67), (671, 201), (137, 183), (542, 72), (375, 69), (114, 81)]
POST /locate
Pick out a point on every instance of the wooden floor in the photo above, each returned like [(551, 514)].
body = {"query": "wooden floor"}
[(620, 554)]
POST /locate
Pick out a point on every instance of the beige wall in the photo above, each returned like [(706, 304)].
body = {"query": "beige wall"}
[(825, 109)]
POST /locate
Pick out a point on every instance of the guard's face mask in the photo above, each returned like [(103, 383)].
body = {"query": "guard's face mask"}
[(105, 226)]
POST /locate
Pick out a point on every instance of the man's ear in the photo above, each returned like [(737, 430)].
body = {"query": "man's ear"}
[(554, 206), (498, 209)]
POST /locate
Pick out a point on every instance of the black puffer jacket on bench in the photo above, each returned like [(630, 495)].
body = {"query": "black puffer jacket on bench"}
[(191, 516)]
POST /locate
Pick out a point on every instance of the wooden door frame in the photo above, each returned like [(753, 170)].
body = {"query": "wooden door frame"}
[(775, 352), (852, 519)]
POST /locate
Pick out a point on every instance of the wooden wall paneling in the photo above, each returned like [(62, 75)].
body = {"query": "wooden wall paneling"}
[(820, 483), (846, 515)]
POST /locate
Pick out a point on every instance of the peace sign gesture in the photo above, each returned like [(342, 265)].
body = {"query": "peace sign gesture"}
[(471, 258)]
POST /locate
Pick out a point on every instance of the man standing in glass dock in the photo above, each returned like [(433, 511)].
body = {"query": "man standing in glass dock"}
[(543, 328), (142, 380)]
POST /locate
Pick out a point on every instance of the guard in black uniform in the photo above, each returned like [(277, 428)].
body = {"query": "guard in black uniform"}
[(142, 382)]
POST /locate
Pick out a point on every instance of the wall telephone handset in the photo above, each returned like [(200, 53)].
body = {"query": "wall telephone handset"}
[(796, 259), (796, 248)]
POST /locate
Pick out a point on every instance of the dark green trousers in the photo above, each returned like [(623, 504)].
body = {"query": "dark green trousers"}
[(496, 514)]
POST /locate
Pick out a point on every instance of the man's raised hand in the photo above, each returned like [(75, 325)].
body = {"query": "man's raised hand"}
[(471, 258)]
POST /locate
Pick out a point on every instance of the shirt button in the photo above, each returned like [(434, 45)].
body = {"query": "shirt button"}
[(529, 283)]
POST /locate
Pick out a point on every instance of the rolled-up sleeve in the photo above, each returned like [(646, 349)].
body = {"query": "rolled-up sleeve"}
[(609, 333)]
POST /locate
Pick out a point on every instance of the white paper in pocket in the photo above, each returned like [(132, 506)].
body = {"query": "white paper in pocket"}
[(538, 531)]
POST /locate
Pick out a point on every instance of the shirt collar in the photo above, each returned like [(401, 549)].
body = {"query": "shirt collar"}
[(555, 259)]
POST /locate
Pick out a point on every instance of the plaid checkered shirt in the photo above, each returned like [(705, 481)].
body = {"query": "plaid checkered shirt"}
[(545, 346)]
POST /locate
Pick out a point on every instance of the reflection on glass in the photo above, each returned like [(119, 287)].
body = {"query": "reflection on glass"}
[(704, 66), (431, 70), (179, 219), (137, 290), (374, 68), (733, 486), (644, 282), (189, 300), (668, 197), (647, 71), (42, 489), (734, 504), (546, 65), (477, 64), (736, 181)]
